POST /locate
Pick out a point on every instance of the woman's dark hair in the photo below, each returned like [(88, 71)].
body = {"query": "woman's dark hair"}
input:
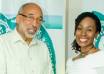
[(83, 15)]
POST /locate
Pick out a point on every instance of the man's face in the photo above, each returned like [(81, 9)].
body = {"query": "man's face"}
[(28, 21)]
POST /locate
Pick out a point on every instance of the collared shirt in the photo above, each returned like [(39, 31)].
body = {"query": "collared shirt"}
[(17, 57)]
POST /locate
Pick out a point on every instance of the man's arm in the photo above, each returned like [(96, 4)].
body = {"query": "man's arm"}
[(50, 66), (2, 59)]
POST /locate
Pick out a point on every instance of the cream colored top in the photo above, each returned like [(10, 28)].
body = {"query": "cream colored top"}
[(16, 57)]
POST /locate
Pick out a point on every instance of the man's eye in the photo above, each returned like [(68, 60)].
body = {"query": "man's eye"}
[(30, 17)]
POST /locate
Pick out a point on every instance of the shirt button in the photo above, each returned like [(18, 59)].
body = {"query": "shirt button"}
[(32, 71)]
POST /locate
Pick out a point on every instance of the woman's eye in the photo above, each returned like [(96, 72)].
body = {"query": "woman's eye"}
[(89, 29), (78, 28)]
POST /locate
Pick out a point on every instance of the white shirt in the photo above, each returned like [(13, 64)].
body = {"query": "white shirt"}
[(16, 57), (91, 64)]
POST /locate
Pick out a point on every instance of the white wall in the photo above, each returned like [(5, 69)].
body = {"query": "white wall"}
[(74, 11)]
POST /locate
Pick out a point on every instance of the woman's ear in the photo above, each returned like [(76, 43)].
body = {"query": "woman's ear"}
[(96, 34)]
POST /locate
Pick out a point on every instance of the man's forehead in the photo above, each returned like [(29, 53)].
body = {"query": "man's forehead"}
[(31, 9), (35, 7), (34, 14)]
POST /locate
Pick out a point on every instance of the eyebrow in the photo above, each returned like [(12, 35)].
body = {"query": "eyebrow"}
[(34, 14), (31, 14), (90, 26)]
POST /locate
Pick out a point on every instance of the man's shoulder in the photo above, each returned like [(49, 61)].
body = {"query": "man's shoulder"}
[(40, 42), (6, 36)]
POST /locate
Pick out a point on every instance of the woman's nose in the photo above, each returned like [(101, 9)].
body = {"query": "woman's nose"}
[(83, 32)]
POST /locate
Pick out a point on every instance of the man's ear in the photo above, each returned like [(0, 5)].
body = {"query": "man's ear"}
[(18, 19)]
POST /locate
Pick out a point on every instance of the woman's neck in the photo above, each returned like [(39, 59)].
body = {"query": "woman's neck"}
[(85, 50)]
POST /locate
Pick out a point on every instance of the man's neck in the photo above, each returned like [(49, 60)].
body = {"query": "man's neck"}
[(28, 40)]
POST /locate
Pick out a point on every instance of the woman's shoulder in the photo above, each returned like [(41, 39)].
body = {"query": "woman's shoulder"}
[(70, 59), (99, 53)]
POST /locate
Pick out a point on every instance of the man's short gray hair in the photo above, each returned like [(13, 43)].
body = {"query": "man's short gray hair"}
[(26, 4)]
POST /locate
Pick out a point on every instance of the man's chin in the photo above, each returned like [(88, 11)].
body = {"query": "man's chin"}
[(30, 36)]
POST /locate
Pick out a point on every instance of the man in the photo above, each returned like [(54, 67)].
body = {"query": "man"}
[(20, 51)]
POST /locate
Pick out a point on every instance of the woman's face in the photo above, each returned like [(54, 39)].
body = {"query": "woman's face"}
[(85, 32)]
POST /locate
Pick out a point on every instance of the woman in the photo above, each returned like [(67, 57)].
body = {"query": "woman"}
[(89, 59)]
